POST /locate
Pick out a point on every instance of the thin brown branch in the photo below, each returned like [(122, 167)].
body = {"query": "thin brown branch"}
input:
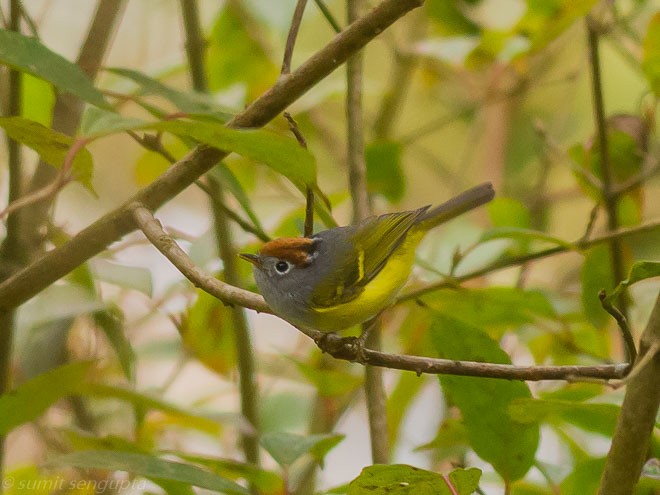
[(111, 227), (622, 322), (293, 34), (634, 428), (62, 178), (195, 44), (168, 247), (345, 348), (357, 168), (249, 393), (328, 15), (610, 200), (308, 228)]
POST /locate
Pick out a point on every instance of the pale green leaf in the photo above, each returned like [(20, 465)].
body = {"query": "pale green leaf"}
[(286, 448), (32, 398), (641, 270), (148, 466), (651, 54), (29, 55), (52, 146), (130, 277)]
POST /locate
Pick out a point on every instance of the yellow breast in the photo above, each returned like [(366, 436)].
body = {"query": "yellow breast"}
[(377, 294)]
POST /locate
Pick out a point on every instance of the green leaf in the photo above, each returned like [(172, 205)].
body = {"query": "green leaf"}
[(149, 467), (111, 322), (651, 54), (130, 277), (97, 122), (286, 410), (584, 478), (57, 302), (451, 441), (266, 482), (407, 388), (640, 270), (286, 448), (594, 417), (508, 212), (401, 479), (283, 154), (29, 55), (207, 331), (596, 275), (328, 382), (449, 17), (33, 397), (190, 103), (53, 147), (494, 307), (37, 100), (234, 56), (494, 435), (384, 174), (546, 20), (148, 402)]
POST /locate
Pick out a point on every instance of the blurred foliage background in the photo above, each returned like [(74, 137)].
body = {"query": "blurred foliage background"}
[(141, 369)]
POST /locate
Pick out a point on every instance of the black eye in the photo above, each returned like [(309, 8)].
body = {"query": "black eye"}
[(282, 267)]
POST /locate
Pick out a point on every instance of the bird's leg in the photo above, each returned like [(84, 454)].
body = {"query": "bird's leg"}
[(361, 341)]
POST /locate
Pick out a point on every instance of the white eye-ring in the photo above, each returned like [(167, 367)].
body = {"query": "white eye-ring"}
[(282, 267)]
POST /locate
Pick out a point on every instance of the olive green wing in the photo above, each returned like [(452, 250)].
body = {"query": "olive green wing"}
[(375, 239)]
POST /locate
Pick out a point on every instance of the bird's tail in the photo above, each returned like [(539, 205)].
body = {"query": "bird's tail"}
[(466, 201)]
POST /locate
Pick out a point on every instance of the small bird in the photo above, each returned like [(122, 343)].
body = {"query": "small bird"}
[(344, 276)]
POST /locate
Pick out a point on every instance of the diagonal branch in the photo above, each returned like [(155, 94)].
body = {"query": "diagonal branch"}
[(119, 222)]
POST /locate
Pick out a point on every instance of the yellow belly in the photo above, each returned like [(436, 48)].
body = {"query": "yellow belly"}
[(377, 294)]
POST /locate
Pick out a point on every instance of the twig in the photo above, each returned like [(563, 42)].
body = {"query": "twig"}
[(243, 224), (152, 143), (293, 34), (117, 223), (62, 178), (195, 44), (344, 348), (328, 15), (226, 293), (622, 322), (295, 130), (309, 195), (308, 228), (610, 200)]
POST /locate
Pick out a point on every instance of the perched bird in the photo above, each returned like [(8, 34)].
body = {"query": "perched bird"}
[(343, 276)]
